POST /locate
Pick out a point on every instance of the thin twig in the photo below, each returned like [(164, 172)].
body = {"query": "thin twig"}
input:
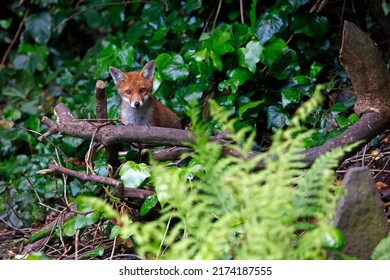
[(88, 155), (11, 226), (15, 37), (242, 11), (217, 13), (163, 238), (364, 153), (342, 18), (383, 169), (42, 136), (113, 248), (208, 20), (76, 245)]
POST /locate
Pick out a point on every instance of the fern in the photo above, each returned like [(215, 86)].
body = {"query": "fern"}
[(220, 208)]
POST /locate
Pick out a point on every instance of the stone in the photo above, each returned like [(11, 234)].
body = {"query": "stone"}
[(360, 214)]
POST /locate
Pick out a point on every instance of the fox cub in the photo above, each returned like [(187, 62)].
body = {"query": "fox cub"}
[(138, 106)]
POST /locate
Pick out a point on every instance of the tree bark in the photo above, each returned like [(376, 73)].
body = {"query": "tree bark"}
[(111, 151), (367, 71)]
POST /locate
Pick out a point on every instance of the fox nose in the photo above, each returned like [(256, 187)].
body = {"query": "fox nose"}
[(137, 104)]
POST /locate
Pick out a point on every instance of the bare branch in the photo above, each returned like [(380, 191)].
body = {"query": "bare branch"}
[(82, 177), (111, 151)]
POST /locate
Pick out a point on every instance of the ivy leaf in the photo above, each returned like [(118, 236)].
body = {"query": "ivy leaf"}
[(133, 174), (39, 27), (172, 68), (302, 80), (27, 62), (93, 18), (353, 118), (241, 34), (190, 93), (268, 25), (87, 220), (5, 23), (98, 252), (69, 228), (31, 57), (237, 77), (272, 52), (24, 89), (342, 121), (115, 231), (178, 24), (112, 55), (69, 144), (192, 5), (276, 118), (314, 27), (148, 204), (136, 31), (290, 95), (286, 65), (12, 114), (219, 41), (315, 69), (216, 60), (337, 108), (208, 61), (250, 55), (72, 142), (245, 107), (297, 3)]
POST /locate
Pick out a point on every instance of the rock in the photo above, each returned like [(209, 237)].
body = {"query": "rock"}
[(360, 214)]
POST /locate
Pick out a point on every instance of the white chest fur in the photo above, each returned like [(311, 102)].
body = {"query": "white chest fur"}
[(136, 116)]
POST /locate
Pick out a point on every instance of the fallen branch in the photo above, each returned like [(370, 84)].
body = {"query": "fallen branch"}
[(111, 152), (369, 125), (82, 177), (359, 56), (120, 190), (108, 134)]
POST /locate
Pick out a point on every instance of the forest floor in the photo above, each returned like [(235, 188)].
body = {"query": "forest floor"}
[(94, 243), (377, 160)]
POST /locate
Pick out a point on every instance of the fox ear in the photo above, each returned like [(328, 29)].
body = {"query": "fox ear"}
[(148, 71), (117, 74)]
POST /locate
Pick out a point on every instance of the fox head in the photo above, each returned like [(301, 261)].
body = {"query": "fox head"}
[(134, 87)]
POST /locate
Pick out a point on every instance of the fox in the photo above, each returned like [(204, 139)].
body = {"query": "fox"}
[(138, 105)]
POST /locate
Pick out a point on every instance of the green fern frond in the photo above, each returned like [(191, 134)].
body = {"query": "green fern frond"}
[(220, 208)]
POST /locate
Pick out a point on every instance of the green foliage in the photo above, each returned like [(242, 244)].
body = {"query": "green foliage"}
[(220, 208), (134, 175), (223, 208), (260, 70), (382, 250), (98, 208)]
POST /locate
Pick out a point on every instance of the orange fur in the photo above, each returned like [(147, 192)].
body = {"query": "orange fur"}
[(138, 106)]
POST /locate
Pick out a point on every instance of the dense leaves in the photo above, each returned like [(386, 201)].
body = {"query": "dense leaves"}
[(253, 71), (259, 68)]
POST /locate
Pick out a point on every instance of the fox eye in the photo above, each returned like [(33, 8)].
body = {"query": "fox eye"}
[(127, 91), (142, 90)]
